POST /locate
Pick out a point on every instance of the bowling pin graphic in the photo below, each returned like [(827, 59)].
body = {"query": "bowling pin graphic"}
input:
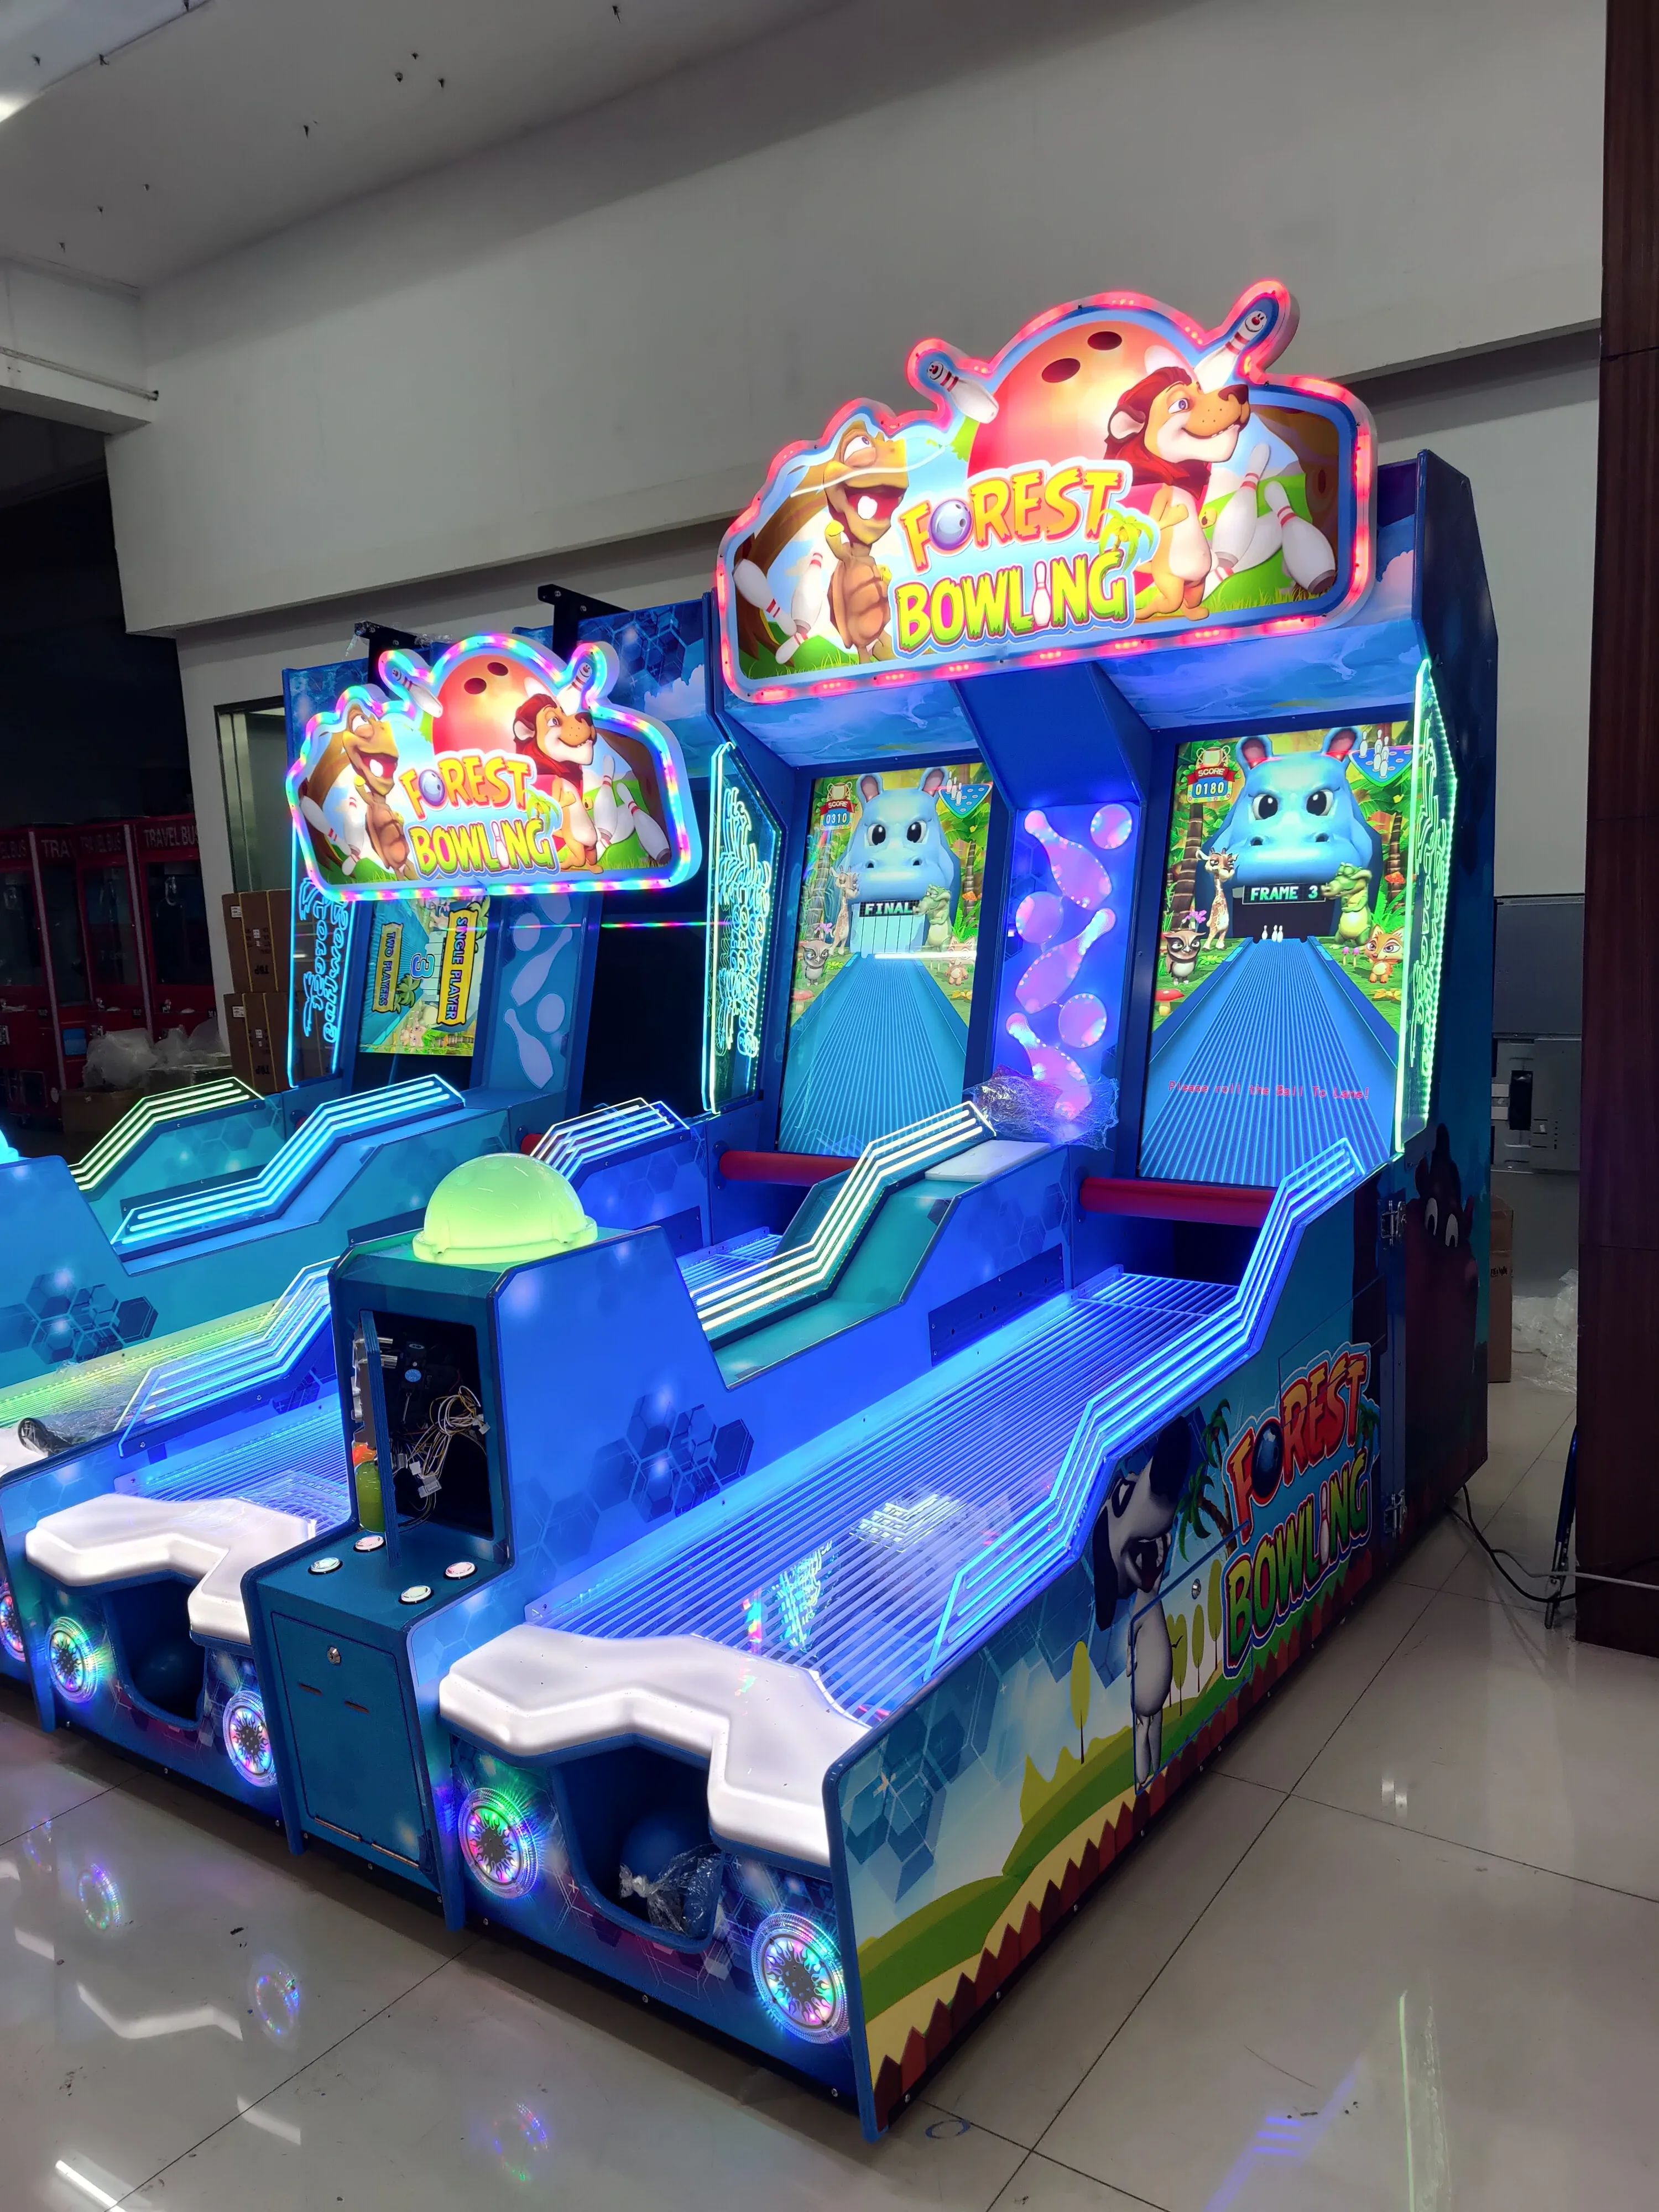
[(1052, 1067), (1049, 974), (751, 581), (1079, 874), (1235, 525), (1221, 365), (806, 604), (1265, 542), (938, 369), (1042, 607), (1308, 560)]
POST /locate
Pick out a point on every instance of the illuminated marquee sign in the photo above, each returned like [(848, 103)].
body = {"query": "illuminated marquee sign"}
[(497, 768), (1117, 477)]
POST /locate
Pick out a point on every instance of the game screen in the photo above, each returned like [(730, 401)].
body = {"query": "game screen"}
[(885, 947), (425, 964), (1276, 1012)]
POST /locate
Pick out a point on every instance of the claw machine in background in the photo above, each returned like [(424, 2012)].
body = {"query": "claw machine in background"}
[(106, 886), (53, 857), (31, 1060), (178, 960)]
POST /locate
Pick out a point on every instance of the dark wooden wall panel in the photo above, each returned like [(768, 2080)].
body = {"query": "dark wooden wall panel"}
[(1619, 1187), (1630, 185)]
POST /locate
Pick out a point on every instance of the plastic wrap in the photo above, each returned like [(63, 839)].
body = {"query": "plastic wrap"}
[(1546, 1330)]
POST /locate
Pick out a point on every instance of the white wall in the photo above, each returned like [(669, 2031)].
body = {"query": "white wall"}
[(608, 328), (1526, 440)]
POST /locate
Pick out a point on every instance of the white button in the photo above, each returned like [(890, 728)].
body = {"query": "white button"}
[(458, 1570), (369, 1544), (324, 1566), (416, 1594)]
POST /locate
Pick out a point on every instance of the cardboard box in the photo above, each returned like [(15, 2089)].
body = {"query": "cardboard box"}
[(89, 1115), (257, 935), (256, 1026), (1500, 1310)]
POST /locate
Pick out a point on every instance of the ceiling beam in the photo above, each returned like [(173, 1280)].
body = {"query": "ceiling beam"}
[(71, 351)]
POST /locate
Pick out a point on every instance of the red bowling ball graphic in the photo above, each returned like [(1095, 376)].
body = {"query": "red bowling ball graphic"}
[(480, 697), (1056, 404)]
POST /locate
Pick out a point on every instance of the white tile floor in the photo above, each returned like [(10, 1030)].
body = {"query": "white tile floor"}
[(1398, 1949)]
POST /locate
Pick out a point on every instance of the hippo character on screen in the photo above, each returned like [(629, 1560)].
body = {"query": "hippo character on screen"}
[(1297, 820), (898, 854)]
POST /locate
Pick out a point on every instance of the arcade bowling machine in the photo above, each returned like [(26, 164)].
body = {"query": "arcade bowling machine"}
[(440, 1007), (791, 1628)]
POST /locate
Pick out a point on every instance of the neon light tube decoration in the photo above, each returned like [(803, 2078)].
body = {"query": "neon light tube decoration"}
[(177, 1387), (570, 1146), (151, 1114), (1047, 1534), (257, 1197), (749, 1296)]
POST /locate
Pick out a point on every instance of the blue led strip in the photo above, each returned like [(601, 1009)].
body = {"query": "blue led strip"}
[(1044, 1537), (573, 1147), (257, 1197), (177, 1387), (755, 1293)]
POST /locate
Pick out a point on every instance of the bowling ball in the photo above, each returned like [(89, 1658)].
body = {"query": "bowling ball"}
[(1266, 1462), (480, 696), (430, 786), (1056, 404), (949, 524), (1082, 1020), (1110, 827), (1038, 917)]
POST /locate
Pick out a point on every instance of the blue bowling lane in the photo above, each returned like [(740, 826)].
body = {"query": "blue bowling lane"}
[(1274, 1056)]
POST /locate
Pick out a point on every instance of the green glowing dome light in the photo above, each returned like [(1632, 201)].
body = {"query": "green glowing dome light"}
[(500, 1210)]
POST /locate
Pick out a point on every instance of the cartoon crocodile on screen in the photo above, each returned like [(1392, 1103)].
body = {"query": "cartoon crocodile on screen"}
[(1352, 886)]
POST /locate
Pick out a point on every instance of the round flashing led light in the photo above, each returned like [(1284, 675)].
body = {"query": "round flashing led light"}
[(71, 1659), (323, 1566), (11, 1629), (274, 1991), (247, 1739), (369, 1544), (100, 1900), (797, 1971), (497, 1843), (458, 1571), (416, 1594)]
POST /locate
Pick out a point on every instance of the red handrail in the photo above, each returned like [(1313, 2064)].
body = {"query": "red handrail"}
[(799, 1169), (1242, 1206)]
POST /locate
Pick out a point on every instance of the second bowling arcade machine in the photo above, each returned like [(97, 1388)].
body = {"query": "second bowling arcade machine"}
[(443, 978), (1110, 742)]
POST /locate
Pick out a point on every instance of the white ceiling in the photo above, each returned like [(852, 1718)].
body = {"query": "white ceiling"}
[(244, 116)]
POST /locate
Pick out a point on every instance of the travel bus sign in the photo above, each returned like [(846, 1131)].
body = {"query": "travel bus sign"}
[(1116, 478), (496, 768)]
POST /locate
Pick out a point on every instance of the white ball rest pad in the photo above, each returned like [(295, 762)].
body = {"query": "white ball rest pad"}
[(211, 1541), (980, 1162), (769, 1731)]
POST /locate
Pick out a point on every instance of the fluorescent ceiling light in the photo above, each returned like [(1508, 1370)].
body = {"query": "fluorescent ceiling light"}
[(44, 40)]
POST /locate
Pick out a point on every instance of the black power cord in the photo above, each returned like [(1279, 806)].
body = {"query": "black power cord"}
[(1497, 1554)]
